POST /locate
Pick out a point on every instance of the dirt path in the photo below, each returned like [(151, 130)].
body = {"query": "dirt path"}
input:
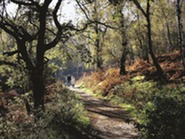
[(107, 121)]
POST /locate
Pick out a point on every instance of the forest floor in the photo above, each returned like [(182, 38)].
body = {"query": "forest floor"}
[(107, 121)]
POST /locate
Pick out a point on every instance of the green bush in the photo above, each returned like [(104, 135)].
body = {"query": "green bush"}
[(166, 120), (136, 91), (64, 117), (158, 109)]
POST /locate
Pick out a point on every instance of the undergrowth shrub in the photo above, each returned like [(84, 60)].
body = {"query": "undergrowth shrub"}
[(135, 91), (64, 118), (101, 82), (158, 110), (166, 120), (106, 85), (91, 80)]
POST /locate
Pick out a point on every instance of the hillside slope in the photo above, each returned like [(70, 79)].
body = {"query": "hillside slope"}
[(158, 107)]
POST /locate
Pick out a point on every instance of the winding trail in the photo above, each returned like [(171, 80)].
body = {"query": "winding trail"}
[(107, 121)]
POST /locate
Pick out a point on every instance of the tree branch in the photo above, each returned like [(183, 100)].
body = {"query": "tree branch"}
[(15, 30), (31, 2), (42, 31), (54, 42), (78, 3), (24, 54), (2, 62), (9, 31), (138, 5), (11, 53), (57, 23)]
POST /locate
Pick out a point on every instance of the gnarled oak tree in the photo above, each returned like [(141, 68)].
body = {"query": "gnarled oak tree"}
[(36, 29)]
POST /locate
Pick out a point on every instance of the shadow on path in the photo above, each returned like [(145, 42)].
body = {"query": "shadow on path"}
[(107, 121)]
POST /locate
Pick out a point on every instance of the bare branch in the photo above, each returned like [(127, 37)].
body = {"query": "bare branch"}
[(24, 54), (2, 62), (139, 7), (20, 2), (11, 53), (8, 30), (54, 42), (31, 2), (82, 8), (90, 22), (57, 23), (15, 30)]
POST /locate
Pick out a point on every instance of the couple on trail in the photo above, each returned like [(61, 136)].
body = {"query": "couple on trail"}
[(70, 80)]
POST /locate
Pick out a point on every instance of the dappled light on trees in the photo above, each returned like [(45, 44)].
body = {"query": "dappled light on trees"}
[(130, 53), (34, 37)]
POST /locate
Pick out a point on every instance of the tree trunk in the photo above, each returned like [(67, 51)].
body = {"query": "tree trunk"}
[(124, 43), (36, 77), (38, 89), (147, 16), (122, 63), (180, 33), (179, 22), (170, 47), (183, 56), (98, 58), (168, 34), (144, 53), (155, 62), (99, 61)]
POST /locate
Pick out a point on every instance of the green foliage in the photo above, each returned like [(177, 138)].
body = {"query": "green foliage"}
[(64, 117), (167, 119), (159, 110), (143, 98), (12, 76), (69, 107), (136, 90), (14, 73)]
